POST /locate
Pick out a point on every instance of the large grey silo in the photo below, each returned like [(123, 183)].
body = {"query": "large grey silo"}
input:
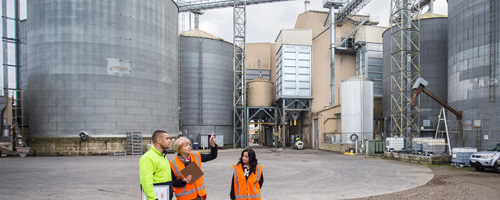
[(433, 68), (473, 68), (106, 67), (23, 35), (206, 84)]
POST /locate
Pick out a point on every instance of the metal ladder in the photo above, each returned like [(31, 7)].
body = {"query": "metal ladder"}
[(439, 134)]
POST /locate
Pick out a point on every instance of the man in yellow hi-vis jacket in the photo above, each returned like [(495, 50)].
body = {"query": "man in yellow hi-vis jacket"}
[(154, 168)]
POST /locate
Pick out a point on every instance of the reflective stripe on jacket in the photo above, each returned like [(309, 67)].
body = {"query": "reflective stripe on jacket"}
[(246, 188), (189, 191)]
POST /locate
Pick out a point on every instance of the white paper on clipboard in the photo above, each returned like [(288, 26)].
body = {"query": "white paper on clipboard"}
[(161, 191)]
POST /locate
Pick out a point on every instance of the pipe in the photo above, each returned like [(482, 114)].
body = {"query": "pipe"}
[(307, 3), (18, 52), (457, 113), (431, 6), (196, 21), (435, 98), (332, 56)]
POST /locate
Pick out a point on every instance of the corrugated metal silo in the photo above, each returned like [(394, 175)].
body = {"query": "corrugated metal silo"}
[(23, 34), (433, 68), (104, 67), (474, 70), (206, 65), (23, 37)]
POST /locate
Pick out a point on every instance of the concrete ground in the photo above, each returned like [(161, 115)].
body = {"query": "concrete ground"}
[(452, 183), (289, 174)]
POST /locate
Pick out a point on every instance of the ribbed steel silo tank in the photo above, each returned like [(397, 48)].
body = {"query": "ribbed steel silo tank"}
[(474, 69), (103, 67), (433, 68), (206, 86)]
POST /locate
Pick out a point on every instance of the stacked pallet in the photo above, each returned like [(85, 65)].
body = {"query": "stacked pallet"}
[(134, 143)]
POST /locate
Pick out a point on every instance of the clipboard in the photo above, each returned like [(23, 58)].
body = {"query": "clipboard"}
[(161, 191), (193, 170)]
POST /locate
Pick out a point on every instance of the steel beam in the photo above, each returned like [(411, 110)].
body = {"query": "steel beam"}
[(187, 6), (350, 9)]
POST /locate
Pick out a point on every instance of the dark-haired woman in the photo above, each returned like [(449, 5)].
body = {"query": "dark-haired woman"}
[(247, 177)]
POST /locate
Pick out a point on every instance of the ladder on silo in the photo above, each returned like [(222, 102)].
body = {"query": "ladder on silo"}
[(493, 47)]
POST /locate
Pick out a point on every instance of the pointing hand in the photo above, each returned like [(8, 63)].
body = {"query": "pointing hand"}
[(212, 140)]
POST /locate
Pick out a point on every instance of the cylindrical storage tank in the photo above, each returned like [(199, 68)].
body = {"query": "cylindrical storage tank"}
[(356, 109), (104, 67), (23, 35), (433, 68), (206, 86), (260, 93), (474, 69)]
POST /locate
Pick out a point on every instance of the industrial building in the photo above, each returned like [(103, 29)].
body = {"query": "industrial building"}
[(98, 77)]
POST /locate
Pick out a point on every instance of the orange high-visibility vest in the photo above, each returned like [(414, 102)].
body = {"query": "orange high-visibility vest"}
[(189, 191), (246, 188)]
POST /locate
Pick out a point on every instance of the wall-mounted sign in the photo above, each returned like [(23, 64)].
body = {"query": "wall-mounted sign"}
[(477, 123)]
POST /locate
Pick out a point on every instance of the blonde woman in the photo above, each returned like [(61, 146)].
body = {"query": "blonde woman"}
[(182, 188)]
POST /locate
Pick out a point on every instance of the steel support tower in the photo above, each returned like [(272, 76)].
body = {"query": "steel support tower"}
[(11, 38), (239, 92), (11, 45), (405, 65)]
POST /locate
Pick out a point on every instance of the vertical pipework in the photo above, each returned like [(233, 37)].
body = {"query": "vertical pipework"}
[(431, 6), (197, 20), (200, 81), (306, 4), (493, 47), (332, 56), (408, 60), (4, 44), (189, 21), (18, 52), (17, 95), (260, 67)]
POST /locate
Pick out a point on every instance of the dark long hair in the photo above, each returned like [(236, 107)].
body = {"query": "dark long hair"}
[(252, 159)]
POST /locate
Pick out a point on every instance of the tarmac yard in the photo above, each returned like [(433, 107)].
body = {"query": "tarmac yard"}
[(288, 174)]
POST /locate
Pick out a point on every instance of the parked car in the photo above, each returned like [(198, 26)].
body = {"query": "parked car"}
[(486, 159)]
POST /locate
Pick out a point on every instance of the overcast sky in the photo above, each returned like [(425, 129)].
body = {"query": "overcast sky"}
[(264, 21)]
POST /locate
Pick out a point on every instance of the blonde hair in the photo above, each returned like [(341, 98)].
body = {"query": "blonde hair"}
[(180, 142)]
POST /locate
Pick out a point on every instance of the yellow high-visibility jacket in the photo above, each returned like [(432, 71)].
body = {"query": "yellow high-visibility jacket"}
[(154, 169)]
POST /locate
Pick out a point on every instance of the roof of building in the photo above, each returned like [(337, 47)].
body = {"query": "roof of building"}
[(199, 33), (431, 15)]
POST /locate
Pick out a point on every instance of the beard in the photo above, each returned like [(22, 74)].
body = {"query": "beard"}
[(165, 146)]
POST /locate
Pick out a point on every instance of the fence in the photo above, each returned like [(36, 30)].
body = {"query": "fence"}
[(347, 137)]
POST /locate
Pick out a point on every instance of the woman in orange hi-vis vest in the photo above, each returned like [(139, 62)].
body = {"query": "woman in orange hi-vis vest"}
[(247, 177), (182, 188)]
